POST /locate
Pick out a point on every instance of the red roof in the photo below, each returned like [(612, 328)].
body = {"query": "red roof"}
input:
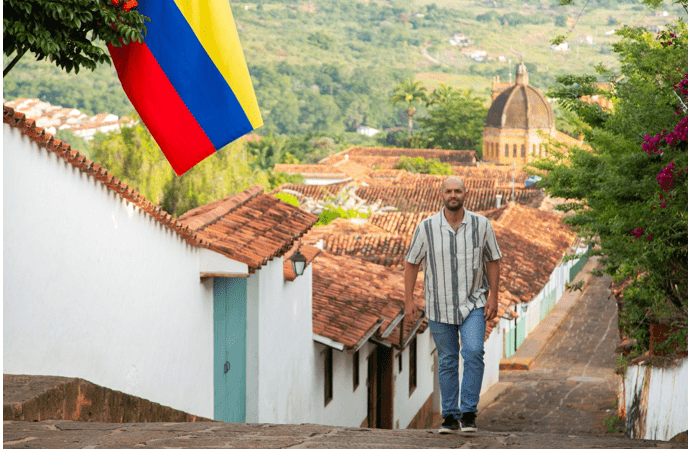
[(387, 158), (354, 300), (250, 227)]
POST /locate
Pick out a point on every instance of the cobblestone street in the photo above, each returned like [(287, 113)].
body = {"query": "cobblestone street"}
[(571, 385)]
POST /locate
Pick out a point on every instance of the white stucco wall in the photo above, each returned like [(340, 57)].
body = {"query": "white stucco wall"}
[(664, 403), (96, 288), (494, 348), (407, 406), (280, 332), (347, 408)]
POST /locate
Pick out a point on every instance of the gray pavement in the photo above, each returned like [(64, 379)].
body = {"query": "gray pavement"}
[(570, 386), (72, 434)]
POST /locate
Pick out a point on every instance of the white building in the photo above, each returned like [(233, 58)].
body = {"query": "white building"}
[(101, 284)]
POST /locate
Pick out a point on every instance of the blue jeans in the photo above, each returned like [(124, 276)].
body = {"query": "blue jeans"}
[(446, 338)]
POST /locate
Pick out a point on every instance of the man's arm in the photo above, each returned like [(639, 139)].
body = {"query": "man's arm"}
[(410, 276), (491, 306)]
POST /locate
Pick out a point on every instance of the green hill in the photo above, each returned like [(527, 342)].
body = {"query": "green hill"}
[(328, 67)]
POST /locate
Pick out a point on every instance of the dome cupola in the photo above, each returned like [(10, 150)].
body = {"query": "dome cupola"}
[(520, 106)]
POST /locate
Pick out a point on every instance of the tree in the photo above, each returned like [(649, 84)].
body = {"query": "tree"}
[(631, 189), (425, 166), (455, 120), (133, 156), (66, 32), (407, 93)]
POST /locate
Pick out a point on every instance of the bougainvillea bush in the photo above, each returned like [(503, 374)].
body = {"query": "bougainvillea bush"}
[(630, 187)]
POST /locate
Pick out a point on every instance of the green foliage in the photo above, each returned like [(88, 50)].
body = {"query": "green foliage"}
[(332, 212), (77, 143), (276, 179), (631, 196), (67, 32), (133, 156), (287, 198), (455, 121), (560, 21), (422, 165)]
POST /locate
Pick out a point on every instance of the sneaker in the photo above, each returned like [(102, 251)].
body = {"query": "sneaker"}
[(449, 425), (468, 422)]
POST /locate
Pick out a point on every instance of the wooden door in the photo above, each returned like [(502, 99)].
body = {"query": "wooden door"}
[(229, 348)]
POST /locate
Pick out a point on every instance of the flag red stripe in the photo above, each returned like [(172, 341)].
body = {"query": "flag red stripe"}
[(169, 121)]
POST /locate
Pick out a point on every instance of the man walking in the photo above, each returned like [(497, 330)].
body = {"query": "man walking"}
[(460, 258)]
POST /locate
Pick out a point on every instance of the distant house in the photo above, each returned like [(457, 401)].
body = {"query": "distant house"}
[(564, 46), (367, 130), (54, 118)]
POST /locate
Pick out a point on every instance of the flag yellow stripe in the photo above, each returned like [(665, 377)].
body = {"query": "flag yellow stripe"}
[(213, 25)]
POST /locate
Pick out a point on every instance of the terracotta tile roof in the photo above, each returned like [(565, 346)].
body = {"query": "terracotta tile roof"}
[(315, 192), (251, 227), (310, 252), (546, 227), (429, 199), (527, 260), (342, 226), (353, 299), (99, 174), (502, 174), (417, 180), (382, 249), (383, 157), (352, 168), (400, 223), (311, 170)]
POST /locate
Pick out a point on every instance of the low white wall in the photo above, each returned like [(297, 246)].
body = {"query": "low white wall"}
[(348, 407), (407, 406), (494, 348), (280, 359), (96, 288), (655, 400)]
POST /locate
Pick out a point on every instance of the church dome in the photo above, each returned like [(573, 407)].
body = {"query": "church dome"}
[(520, 106)]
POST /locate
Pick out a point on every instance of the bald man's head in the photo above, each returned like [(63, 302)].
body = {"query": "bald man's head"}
[(453, 193), (451, 180)]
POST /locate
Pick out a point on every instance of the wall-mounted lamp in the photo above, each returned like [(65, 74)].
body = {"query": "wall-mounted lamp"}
[(298, 262)]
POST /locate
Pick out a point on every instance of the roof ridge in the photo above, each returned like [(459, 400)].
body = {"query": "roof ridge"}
[(198, 221), (48, 141)]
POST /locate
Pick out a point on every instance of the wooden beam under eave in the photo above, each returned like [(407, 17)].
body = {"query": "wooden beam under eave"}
[(224, 275)]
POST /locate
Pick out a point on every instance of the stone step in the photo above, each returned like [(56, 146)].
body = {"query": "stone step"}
[(39, 398)]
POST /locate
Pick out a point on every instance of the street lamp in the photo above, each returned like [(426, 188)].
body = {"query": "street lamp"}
[(298, 262)]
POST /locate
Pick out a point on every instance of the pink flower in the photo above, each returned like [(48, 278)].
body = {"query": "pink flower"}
[(663, 205), (649, 238), (666, 177), (637, 233)]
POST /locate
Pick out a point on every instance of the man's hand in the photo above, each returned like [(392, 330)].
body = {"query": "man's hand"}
[(411, 313), (491, 308)]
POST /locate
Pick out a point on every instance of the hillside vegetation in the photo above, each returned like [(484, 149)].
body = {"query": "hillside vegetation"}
[(327, 67)]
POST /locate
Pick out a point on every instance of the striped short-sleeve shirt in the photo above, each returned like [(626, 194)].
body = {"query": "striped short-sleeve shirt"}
[(454, 264)]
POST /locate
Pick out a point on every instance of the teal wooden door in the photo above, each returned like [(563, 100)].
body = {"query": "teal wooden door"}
[(229, 370)]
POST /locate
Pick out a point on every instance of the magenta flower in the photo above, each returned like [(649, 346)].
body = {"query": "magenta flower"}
[(649, 238), (666, 177)]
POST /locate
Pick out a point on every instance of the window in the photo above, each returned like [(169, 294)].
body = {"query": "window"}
[(356, 370), (400, 362), (328, 376), (523, 151), (413, 356), (515, 149), (506, 150)]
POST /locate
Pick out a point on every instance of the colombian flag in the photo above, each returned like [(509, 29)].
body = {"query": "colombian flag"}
[(188, 80)]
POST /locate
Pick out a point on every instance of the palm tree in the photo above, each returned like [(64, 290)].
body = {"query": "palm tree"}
[(442, 93), (408, 93)]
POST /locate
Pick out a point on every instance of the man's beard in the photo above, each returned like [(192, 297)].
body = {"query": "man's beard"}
[(454, 207)]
